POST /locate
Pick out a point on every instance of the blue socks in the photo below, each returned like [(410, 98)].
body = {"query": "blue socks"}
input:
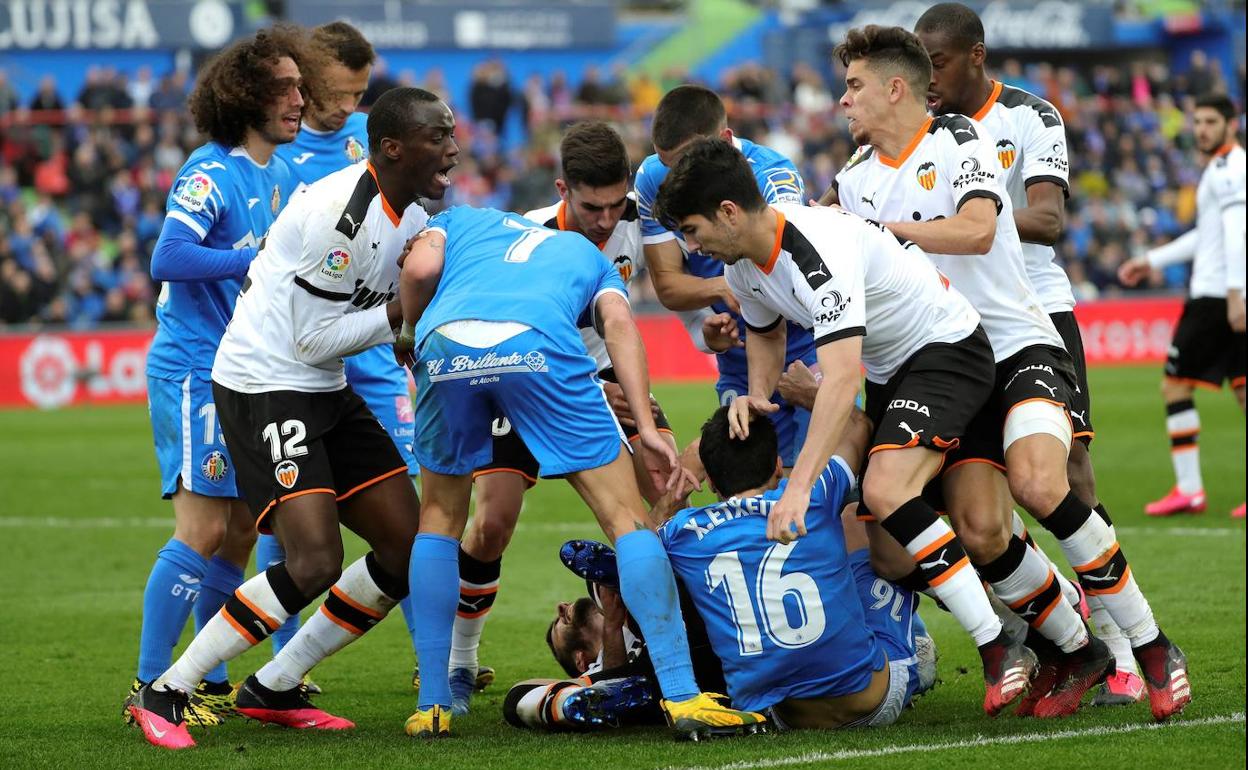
[(648, 588), (269, 552), (434, 577), (172, 587), (220, 582)]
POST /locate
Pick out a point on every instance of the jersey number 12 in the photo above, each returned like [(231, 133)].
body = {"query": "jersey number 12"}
[(771, 587)]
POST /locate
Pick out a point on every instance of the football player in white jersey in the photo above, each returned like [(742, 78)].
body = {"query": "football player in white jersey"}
[(868, 301), (310, 454), (935, 181), (1031, 148), (594, 200), (1208, 345)]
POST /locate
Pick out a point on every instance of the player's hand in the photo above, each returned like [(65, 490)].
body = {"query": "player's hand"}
[(407, 249), (799, 385), (1131, 272), (405, 345), (661, 461), (619, 405), (742, 410), (1235, 310), (614, 614), (721, 333), (787, 520)]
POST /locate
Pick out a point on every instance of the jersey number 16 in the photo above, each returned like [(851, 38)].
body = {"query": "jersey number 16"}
[(771, 587)]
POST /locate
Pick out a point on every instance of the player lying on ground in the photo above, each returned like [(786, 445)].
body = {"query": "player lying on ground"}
[(825, 644), (595, 202), (491, 307), (312, 457)]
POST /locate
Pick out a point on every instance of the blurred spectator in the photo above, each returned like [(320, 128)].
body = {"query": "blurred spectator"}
[(47, 97), (8, 96), (489, 95)]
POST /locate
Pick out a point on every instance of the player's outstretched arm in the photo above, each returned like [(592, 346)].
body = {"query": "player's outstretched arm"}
[(677, 289), (970, 231), (764, 356), (614, 320), (1043, 219), (852, 448), (840, 362)]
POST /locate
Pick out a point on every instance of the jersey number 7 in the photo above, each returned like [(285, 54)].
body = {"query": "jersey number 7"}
[(771, 588)]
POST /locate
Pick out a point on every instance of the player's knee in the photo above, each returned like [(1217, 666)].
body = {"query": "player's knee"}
[(1037, 488), (882, 498), (492, 537), (1173, 390), (314, 570), (204, 534), (984, 538)]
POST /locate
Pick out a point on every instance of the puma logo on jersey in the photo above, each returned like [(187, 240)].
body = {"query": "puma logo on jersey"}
[(963, 131), (352, 227), (869, 201), (1080, 416), (756, 290), (302, 158), (1043, 384), (936, 562), (821, 271), (914, 434)]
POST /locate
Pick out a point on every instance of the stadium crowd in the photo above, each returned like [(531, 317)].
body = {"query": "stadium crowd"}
[(83, 177)]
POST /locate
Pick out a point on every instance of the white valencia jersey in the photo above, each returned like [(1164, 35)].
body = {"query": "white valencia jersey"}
[(1219, 261), (841, 276), (949, 162), (1031, 147), (318, 289), (623, 249)]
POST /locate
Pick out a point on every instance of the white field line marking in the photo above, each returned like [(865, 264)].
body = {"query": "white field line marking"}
[(970, 743), (138, 522)]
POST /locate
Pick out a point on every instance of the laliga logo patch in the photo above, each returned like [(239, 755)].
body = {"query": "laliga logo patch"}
[(214, 466), (354, 150), (535, 360), (1006, 152), (286, 473), (336, 263), (194, 192), (927, 175)]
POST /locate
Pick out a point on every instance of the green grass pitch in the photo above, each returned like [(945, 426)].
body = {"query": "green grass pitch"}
[(80, 523)]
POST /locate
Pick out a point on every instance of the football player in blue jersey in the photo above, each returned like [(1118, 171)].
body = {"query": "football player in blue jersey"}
[(685, 280), (248, 100), (834, 644), (492, 303), (333, 137)]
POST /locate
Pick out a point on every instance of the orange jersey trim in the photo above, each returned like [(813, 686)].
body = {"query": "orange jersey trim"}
[(371, 482), (478, 474), (268, 508), (914, 142), (775, 247), (385, 204), (1195, 383), (985, 461), (982, 112)]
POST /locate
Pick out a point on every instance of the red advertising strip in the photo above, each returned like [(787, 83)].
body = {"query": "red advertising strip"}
[(1127, 331), (56, 369)]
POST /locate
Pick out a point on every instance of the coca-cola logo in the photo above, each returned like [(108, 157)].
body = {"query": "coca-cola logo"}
[(51, 371)]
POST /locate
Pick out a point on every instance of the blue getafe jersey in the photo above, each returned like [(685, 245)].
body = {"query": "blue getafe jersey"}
[(779, 182), (503, 267), (227, 199), (785, 620), (315, 155)]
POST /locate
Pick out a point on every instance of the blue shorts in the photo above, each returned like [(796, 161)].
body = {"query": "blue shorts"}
[(552, 397), (382, 383), (791, 421), (891, 613), (189, 444)]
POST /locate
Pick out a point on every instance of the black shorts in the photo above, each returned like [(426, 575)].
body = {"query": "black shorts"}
[(289, 443), (1204, 351), (1080, 398), (512, 456), (933, 397), (1035, 373)]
